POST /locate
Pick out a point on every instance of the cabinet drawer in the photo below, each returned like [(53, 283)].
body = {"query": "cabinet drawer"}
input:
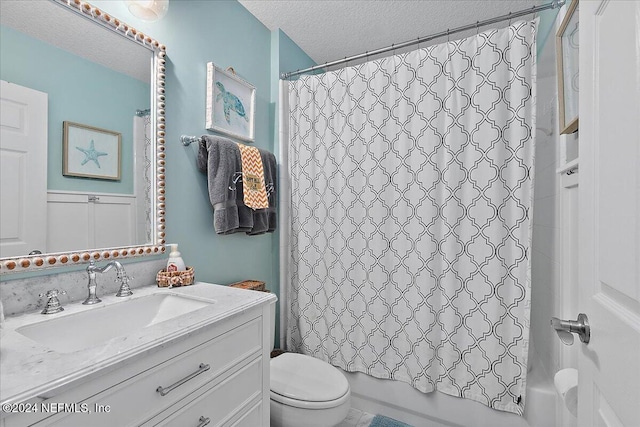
[(138, 398), (221, 402), (252, 418)]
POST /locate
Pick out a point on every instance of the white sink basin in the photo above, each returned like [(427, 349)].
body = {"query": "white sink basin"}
[(98, 325)]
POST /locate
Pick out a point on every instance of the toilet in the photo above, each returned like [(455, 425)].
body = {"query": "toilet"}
[(306, 391)]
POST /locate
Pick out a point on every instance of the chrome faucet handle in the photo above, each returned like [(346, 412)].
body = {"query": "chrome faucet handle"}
[(92, 298), (53, 303), (125, 290)]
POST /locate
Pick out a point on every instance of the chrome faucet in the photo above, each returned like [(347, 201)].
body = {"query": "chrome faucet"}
[(121, 276), (52, 305)]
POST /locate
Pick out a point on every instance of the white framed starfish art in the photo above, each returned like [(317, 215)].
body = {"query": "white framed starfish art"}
[(230, 103), (90, 152)]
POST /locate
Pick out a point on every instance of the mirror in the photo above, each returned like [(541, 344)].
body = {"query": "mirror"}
[(82, 144), (567, 50)]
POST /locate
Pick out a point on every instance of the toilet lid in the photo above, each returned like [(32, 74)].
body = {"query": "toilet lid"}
[(305, 378)]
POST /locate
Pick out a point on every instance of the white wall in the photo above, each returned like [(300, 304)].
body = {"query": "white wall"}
[(554, 248), (546, 267)]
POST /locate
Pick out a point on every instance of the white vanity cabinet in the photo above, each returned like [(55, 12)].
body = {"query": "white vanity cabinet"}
[(217, 375)]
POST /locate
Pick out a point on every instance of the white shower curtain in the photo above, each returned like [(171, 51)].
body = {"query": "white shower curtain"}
[(410, 226), (143, 178)]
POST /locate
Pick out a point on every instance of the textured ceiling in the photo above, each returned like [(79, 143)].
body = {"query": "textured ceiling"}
[(333, 29), (51, 23), (325, 29)]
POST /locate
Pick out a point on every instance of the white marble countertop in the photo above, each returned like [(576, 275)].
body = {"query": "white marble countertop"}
[(29, 369)]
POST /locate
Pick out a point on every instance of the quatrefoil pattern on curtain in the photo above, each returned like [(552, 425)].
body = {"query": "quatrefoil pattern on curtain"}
[(411, 201)]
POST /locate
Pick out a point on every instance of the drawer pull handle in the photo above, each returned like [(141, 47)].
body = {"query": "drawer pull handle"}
[(204, 422), (164, 391)]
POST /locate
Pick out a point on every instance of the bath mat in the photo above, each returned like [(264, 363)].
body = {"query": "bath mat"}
[(382, 421)]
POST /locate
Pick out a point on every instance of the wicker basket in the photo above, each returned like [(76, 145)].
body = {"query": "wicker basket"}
[(254, 285), (175, 279)]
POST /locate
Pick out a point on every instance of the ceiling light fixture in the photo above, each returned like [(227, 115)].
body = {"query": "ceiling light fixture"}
[(148, 10)]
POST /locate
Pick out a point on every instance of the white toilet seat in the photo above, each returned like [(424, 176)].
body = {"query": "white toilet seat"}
[(305, 382), (303, 404)]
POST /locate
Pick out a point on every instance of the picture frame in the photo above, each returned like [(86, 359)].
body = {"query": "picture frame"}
[(567, 45), (230, 104), (91, 152)]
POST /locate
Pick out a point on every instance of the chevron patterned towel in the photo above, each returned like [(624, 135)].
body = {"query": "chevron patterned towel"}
[(255, 193)]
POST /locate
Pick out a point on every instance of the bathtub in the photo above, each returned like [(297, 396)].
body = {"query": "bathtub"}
[(398, 400)]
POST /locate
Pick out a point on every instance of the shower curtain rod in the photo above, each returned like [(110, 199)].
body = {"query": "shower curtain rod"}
[(553, 5)]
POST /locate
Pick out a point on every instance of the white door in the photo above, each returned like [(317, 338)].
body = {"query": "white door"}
[(23, 170), (609, 366)]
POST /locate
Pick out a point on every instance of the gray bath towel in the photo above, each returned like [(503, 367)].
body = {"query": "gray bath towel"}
[(273, 195), (220, 159), (264, 220)]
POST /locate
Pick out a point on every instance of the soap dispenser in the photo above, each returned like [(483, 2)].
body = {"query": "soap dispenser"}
[(175, 262)]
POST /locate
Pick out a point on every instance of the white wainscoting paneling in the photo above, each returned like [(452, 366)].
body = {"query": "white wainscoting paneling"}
[(89, 220)]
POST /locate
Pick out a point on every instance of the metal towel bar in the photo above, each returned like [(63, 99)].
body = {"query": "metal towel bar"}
[(188, 140)]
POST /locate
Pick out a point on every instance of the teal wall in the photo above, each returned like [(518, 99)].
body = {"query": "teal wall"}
[(546, 29), (197, 32), (225, 33), (285, 56), (79, 91)]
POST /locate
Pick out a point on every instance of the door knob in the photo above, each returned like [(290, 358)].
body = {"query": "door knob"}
[(579, 326)]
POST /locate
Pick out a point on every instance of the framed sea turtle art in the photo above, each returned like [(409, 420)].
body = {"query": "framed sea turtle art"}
[(230, 103)]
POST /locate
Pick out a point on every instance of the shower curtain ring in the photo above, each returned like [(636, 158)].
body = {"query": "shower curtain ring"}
[(448, 34), (509, 18), (477, 27)]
